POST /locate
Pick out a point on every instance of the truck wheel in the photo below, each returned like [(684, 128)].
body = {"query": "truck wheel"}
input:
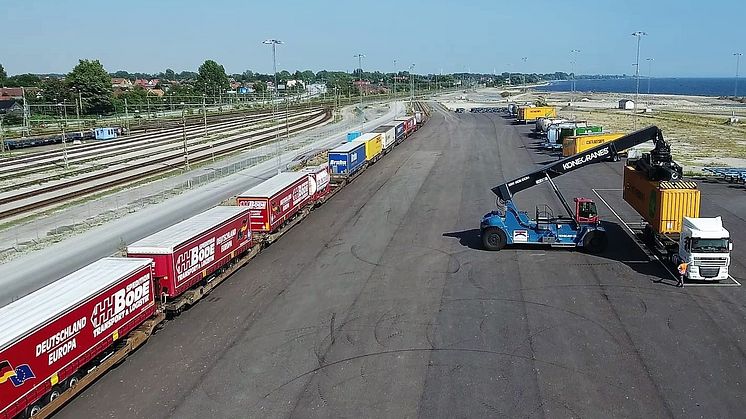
[(72, 381), (53, 394), (595, 241), (34, 409), (493, 239)]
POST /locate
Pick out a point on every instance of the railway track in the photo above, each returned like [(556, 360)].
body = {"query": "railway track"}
[(121, 153), (54, 158), (55, 194)]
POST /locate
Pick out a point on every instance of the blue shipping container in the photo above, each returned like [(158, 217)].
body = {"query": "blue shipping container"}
[(399, 130), (353, 134), (347, 158)]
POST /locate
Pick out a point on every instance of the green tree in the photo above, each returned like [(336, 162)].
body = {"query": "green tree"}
[(211, 78), (23, 80), (94, 84), (260, 86), (169, 74), (3, 75), (55, 90), (308, 76)]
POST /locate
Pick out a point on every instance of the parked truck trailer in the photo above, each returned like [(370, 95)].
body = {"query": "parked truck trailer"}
[(189, 252), (50, 338), (531, 114), (276, 200)]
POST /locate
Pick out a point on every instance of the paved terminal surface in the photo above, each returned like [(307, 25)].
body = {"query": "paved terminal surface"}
[(381, 304), (31, 271)]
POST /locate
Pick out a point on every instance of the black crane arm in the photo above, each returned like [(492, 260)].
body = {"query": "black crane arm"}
[(658, 163)]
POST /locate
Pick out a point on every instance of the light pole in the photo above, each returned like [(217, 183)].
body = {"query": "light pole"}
[(360, 86), (738, 61), (524, 59), (274, 43), (394, 78), (650, 71), (639, 35), (411, 76), (573, 57)]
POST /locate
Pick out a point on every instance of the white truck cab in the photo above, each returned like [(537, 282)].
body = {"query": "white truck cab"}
[(704, 244)]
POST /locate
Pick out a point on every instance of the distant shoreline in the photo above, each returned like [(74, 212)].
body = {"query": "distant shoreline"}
[(716, 87)]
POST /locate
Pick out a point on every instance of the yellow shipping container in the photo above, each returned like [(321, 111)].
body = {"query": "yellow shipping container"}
[(579, 143), (533, 113), (373, 145), (662, 204)]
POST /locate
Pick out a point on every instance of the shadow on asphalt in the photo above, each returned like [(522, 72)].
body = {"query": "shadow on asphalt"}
[(621, 248), (467, 238)]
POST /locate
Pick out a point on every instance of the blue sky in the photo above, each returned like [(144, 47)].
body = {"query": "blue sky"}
[(686, 38)]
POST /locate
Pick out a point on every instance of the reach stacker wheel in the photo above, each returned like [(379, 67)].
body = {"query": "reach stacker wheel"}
[(493, 239), (595, 241)]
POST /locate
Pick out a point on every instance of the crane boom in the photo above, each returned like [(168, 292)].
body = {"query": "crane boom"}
[(658, 163)]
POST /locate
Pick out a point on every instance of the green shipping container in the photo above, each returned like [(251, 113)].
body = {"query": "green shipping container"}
[(593, 129)]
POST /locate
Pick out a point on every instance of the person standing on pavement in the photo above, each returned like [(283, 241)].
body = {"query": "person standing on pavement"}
[(682, 272)]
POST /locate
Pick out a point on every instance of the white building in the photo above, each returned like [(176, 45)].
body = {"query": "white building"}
[(626, 104)]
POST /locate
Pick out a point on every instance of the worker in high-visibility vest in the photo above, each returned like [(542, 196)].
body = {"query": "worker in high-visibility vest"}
[(682, 272)]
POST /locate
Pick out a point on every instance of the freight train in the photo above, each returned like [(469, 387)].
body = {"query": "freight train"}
[(60, 338)]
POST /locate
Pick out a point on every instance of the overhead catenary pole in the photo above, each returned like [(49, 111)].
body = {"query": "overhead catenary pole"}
[(126, 116), (274, 43), (639, 35), (184, 138), (2, 135), (738, 61), (204, 113), (64, 140)]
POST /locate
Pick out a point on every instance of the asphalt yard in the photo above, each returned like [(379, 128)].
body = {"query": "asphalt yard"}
[(382, 304)]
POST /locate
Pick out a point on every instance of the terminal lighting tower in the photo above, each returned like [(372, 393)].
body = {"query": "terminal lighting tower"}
[(638, 35), (524, 59), (411, 80), (573, 57), (274, 43), (738, 61), (650, 71), (360, 67)]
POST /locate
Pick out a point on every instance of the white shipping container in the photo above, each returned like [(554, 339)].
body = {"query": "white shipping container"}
[(388, 135)]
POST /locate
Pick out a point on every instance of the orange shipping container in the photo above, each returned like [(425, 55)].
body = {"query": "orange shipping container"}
[(662, 204)]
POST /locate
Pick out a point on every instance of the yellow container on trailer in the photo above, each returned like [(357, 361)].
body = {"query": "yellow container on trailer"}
[(579, 143), (662, 204), (373, 145), (533, 113)]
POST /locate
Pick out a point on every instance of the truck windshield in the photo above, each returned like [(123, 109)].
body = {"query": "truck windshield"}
[(709, 245)]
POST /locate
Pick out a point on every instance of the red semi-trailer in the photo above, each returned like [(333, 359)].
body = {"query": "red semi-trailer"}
[(410, 124), (50, 338), (276, 200), (192, 250), (320, 182)]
